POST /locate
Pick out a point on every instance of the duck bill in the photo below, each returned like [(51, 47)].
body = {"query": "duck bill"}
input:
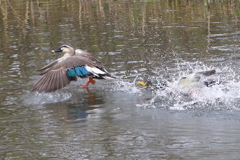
[(57, 50), (142, 83)]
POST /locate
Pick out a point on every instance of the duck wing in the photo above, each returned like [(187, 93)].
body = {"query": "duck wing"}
[(194, 78), (55, 74), (61, 72), (89, 56), (197, 76), (206, 73), (97, 69)]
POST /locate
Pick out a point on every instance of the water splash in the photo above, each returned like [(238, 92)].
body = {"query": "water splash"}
[(35, 98), (126, 86), (225, 96)]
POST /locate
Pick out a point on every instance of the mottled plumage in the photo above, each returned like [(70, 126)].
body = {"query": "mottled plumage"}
[(73, 64)]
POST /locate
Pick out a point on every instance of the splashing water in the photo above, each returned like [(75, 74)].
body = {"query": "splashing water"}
[(125, 86), (224, 96), (35, 98)]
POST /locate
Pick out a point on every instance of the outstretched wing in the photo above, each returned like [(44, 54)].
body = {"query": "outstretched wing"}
[(88, 56), (53, 80), (55, 74)]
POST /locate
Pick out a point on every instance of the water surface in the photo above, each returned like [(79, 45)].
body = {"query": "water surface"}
[(135, 40)]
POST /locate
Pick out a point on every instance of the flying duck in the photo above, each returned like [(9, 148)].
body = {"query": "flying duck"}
[(74, 63)]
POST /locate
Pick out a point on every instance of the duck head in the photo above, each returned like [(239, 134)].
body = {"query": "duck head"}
[(153, 84), (67, 49)]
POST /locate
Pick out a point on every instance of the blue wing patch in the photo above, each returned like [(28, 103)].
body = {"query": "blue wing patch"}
[(78, 71), (71, 73)]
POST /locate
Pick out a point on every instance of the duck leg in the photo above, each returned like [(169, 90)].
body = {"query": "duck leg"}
[(90, 80)]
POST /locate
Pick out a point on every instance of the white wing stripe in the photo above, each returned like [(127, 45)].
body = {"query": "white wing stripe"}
[(94, 70)]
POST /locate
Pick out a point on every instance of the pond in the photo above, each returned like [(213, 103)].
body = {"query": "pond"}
[(136, 40)]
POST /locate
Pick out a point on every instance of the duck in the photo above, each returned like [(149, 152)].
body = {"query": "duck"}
[(73, 64), (188, 81), (195, 78), (153, 84)]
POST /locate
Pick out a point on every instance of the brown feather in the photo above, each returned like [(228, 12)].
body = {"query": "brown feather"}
[(57, 83), (88, 56), (44, 86), (41, 82), (52, 81), (44, 72)]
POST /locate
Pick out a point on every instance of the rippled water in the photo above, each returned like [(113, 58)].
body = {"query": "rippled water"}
[(135, 40)]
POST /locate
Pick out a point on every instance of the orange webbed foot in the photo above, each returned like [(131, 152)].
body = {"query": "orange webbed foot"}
[(84, 86), (90, 80)]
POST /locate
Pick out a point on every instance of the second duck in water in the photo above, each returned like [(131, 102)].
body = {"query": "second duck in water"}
[(194, 79), (74, 63), (188, 81)]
